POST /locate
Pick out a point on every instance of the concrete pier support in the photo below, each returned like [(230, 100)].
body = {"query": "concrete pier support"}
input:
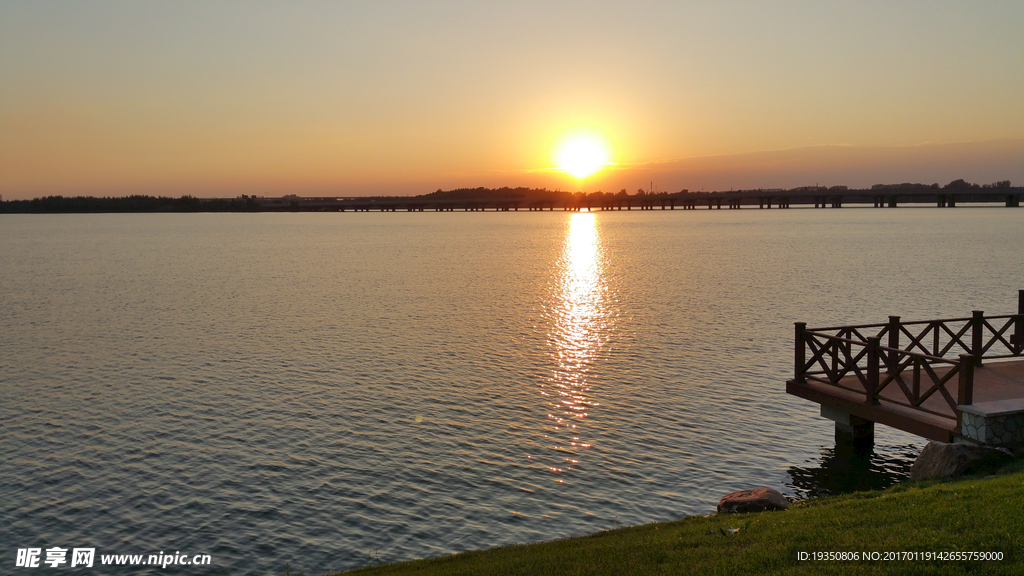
[(850, 429)]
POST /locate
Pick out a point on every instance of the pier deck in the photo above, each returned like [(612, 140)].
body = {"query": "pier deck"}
[(996, 381), (926, 377)]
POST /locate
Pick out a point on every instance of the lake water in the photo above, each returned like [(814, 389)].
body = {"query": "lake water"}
[(317, 388)]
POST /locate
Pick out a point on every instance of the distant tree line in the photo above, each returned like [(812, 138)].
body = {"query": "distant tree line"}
[(481, 193), (906, 186), (958, 184), (141, 203), (134, 203)]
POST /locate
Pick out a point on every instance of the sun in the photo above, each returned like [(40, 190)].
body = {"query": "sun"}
[(581, 154)]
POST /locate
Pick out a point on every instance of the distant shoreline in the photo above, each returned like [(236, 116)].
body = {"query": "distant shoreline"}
[(528, 199)]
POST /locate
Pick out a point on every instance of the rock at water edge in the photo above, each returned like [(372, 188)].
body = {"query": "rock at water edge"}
[(941, 460), (756, 500)]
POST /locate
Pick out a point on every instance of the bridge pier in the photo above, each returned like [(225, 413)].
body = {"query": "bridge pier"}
[(850, 429)]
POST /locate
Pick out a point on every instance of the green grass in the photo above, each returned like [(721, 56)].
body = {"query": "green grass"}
[(975, 514)]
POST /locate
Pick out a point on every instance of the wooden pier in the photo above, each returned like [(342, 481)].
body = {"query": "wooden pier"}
[(923, 377)]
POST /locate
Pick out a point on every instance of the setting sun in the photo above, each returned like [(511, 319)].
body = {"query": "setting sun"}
[(581, 155)]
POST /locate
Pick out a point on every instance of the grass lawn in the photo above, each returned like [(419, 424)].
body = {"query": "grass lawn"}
[(974, 514)]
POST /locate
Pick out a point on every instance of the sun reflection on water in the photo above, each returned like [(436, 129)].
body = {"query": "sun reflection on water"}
[(580, 327)]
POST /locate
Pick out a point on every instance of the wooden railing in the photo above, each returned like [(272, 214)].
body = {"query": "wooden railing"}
[(922, 358)]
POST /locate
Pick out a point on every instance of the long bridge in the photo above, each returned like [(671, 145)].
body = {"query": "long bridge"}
[(762, 199)]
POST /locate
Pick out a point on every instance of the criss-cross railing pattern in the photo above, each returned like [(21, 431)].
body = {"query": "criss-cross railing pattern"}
[(875, 368), (926, 365), (983, 337)]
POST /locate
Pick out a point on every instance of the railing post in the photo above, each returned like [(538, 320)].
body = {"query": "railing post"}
[(1017, 338), (835, 357), (917, 378), (894, 339), (800, 358), (872, 370), (977, 332), (965, 390)]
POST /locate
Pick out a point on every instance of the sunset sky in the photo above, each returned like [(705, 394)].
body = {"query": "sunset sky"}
[(352, 98)]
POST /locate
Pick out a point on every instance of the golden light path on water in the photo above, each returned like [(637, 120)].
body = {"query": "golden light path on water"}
[(580, 327)]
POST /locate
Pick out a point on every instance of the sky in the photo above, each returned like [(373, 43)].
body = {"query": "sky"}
[(350, 98)]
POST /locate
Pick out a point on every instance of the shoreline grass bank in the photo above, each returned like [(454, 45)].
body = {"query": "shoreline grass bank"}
[(972, 514)]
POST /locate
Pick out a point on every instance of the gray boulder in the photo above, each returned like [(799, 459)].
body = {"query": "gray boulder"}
[(941, 460), (756, 500)]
